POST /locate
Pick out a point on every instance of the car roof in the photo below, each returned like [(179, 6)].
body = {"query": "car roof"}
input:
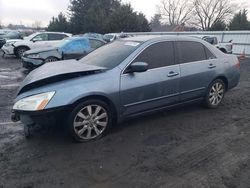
[(82, 37), (54, 33), (145, 38)]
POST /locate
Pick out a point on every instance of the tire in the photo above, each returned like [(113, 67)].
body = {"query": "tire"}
[(20, 50), (89, 120), (215, 94), (50, 59)]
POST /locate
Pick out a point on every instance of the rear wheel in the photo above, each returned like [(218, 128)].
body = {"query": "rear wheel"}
[(215, 94), (90, 120)]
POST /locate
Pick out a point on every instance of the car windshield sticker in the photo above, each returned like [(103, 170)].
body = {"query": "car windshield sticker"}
[(132, 44)]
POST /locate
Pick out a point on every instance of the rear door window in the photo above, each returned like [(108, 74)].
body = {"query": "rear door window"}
[(189, 51), (55, 36), (157, 55)]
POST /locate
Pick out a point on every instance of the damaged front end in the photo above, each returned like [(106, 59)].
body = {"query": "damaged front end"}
[(31, 103)]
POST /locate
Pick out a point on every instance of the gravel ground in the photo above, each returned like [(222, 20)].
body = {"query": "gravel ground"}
[(185, 147)]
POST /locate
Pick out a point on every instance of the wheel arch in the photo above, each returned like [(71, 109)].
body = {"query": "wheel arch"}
[(21, 46), (224, 79), (105, 99)]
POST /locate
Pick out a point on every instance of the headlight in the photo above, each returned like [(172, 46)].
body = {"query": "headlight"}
[(34, 103), (33, 56)]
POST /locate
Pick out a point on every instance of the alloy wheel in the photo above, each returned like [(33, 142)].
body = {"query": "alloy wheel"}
[(216, 93), (90, 122), (21, 52)]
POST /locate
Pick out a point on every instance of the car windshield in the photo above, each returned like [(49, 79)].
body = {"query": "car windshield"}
[(111, 55)]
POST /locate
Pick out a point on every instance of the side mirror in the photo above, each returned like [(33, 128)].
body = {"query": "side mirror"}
[(137, 67)]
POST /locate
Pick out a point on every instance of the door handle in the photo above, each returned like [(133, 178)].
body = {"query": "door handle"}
[(172, 74), (211, 66)]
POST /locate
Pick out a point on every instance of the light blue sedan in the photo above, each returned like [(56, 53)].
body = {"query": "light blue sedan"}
[(126, 78)]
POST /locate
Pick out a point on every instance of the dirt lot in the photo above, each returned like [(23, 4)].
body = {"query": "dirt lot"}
[(187, 147)]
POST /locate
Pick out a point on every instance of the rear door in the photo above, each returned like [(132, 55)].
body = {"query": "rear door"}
[(198, 67), (157, 87)]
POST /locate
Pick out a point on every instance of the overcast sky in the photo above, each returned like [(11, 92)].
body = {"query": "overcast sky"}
[(28, 11)]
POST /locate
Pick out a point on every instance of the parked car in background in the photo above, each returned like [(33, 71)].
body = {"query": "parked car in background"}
[(109, 37), (36, 40), (4, 31), (93, 35), (10, 35), (123, 79), (69, 48), (225, 47)]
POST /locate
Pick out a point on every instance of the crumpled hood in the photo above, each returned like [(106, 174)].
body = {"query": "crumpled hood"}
[(56, 71), (40, 50)]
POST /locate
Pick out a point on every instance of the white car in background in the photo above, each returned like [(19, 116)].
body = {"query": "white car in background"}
[(37, 40), (225, 47)]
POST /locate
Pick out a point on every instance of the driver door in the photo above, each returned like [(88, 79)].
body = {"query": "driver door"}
[(40, 40), (155, 88)]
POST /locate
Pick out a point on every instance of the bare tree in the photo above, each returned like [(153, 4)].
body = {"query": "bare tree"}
[(175, 12), (37, 25), (208, 12)]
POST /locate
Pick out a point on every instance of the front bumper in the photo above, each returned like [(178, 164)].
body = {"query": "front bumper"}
[(8, 50), (42, 118), (30, 63)]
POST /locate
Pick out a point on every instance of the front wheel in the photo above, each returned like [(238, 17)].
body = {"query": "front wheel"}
[(215, 94), (50, 59), (20, 51), (90, 120)]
